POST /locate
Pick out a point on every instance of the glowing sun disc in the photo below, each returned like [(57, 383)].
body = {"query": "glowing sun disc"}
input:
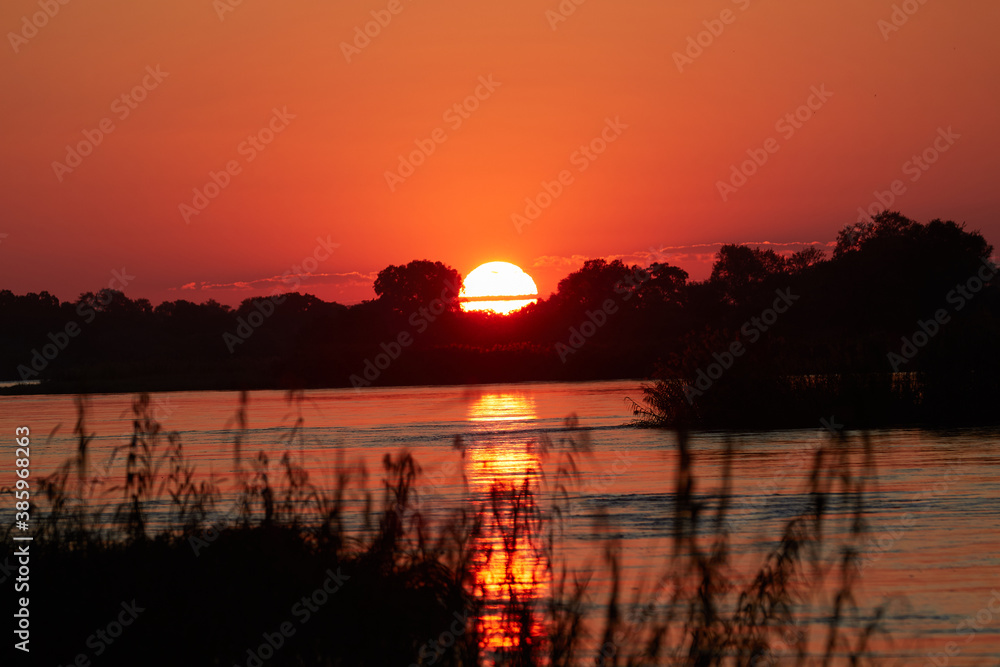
[(498, 286)]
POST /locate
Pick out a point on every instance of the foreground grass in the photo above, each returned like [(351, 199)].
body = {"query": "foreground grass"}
[(278, 578)]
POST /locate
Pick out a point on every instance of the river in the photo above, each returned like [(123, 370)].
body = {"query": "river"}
[(931, 553)]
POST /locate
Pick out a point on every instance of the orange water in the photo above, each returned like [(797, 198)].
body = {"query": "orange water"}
[(933, 517)]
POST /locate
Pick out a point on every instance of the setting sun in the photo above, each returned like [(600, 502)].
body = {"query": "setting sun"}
[(498, 286)]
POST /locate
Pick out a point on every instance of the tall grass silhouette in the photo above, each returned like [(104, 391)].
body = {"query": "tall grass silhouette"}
[(216, 584)]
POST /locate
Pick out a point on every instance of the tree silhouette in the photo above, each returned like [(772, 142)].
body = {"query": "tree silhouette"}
[(418, 284), (665, 285), (805, 258), (739, 268), (885, 225), (891, 280), (596, 281)]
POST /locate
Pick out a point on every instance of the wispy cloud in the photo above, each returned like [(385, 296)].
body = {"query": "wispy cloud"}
[(557, 262), (679, 255), (288, 281)]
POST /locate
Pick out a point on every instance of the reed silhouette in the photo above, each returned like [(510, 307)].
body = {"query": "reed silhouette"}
[(216, 586)]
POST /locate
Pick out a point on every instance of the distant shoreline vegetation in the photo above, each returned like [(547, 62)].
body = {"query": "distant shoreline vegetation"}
[(898, 326)]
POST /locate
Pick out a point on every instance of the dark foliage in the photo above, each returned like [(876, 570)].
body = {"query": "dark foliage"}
[(606, 320)]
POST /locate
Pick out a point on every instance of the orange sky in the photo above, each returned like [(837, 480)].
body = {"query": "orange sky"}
[(324, 174)]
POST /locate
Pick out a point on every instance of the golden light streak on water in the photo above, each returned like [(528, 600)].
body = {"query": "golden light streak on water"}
[(510, 564)]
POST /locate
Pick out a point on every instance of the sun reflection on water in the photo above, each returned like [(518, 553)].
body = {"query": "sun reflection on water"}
[(503, 470)]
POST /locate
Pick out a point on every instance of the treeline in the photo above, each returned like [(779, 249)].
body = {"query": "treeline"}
[(895, 297)]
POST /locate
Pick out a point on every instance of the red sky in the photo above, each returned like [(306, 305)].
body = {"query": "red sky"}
[(654, 188)]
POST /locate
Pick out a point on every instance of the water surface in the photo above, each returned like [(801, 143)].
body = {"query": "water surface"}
[(934, 531)]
